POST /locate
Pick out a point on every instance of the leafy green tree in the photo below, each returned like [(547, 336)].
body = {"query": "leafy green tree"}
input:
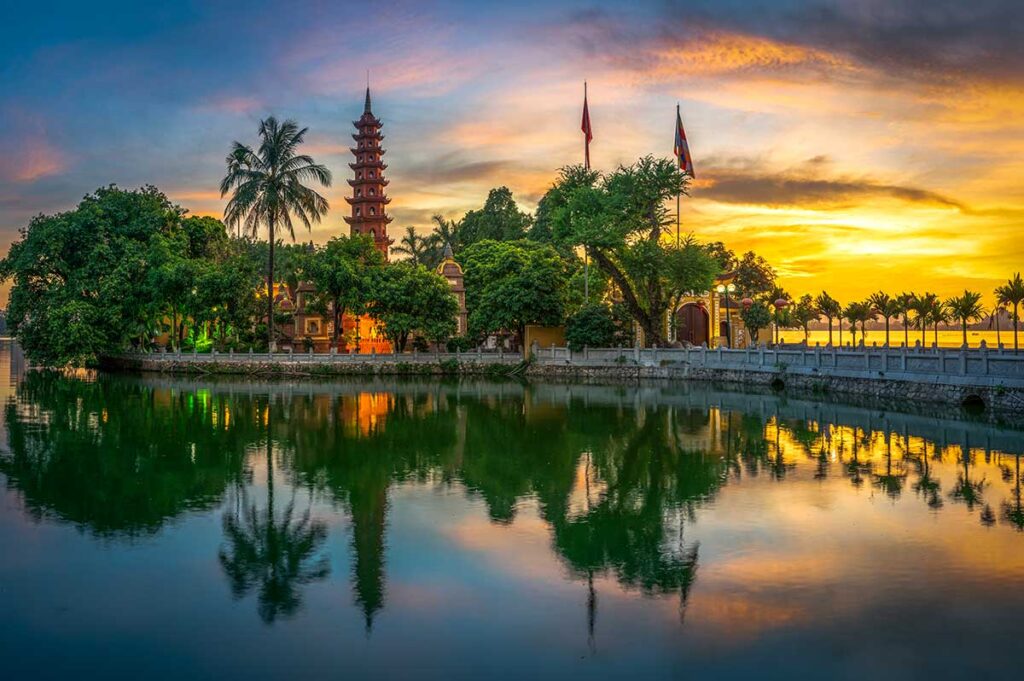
[(756, 317), (830, 309), (724, 256), (754, 276), (966, 308), (410, 299), (267, 188), (81, 279), (499, 220), (510, 284), (591, 326), (1011, 294), (344, 272), (621, 221), (556, 199)]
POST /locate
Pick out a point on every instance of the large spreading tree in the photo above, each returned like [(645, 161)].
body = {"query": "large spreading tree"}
[(81, 279), (623, 222)]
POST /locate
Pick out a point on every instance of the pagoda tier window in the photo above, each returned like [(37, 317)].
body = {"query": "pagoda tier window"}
[(359, 192), (372, 175), (373, 211), (373, 192), (359, 211), (359, 175)]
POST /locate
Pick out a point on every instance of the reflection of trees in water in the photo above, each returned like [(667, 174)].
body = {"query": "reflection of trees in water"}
[(270, 554), (117, 459), (1012, 509), (120, 457)]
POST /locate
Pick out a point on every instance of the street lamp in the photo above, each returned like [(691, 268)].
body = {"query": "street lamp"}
[(727, 289)]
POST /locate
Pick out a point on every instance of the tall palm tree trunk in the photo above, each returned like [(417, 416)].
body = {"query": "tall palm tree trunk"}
[(906, 332), (270, 288), (1016, 319), (886, 332), (830, 331)]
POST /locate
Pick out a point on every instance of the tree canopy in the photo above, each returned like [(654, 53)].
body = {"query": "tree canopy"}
[(500, 220), (409, 299), (621, 220), (510, 284), (82, 279)]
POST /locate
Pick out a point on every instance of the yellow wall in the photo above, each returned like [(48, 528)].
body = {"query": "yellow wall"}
[(546, 336)]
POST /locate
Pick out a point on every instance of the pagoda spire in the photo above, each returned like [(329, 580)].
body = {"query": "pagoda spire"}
[(369, 199)]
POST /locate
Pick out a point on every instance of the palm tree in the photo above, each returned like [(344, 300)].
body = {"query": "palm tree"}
[(854, 312), (1012, 294), (446, 233), (829, 309), (417, 248), (921, 305), (904, 302), (966, 308), (997, 313), (268, 190), (886, 306), (937, 314), (804, 312)]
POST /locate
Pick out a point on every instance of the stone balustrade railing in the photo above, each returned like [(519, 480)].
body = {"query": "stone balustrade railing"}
[(865, 362)]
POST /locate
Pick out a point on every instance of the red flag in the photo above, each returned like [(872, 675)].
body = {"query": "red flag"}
[(682, 149), (588, 132)]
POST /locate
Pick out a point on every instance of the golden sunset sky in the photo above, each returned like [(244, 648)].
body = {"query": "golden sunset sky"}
[(857, 145)]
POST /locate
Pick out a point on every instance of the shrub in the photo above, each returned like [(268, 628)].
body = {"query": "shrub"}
[(591, 326)]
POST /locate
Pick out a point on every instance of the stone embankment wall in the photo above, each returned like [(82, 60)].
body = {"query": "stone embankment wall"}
[(298, 365), (992, 378), (915, 390)]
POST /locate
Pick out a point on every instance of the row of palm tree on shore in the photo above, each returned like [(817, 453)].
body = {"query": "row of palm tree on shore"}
[(919, 311)]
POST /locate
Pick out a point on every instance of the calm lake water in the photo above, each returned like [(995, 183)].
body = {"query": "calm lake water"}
[(157, 527)]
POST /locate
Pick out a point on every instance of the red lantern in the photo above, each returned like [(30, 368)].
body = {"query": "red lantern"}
[(781, 303), (746, 303)]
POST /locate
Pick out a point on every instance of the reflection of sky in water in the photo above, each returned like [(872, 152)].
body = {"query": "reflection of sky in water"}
[(484, 534)]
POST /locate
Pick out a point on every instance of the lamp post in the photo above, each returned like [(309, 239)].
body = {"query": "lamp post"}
[(727, 289)]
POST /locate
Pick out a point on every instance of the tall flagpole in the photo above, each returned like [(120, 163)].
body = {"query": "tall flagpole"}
[(586, 163), (678, 194)]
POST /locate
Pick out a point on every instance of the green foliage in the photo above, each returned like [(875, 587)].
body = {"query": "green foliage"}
[(81, 278), (1011, 294), (622, 220), (499, 220), (754, 276), (591, 326), (510, 284), (408, 299), (267, 188), (344, 271), (756, 317), (965, 309), (804, 312)]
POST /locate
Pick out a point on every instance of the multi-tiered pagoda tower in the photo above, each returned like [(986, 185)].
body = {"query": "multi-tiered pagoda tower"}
[(368, 200)]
